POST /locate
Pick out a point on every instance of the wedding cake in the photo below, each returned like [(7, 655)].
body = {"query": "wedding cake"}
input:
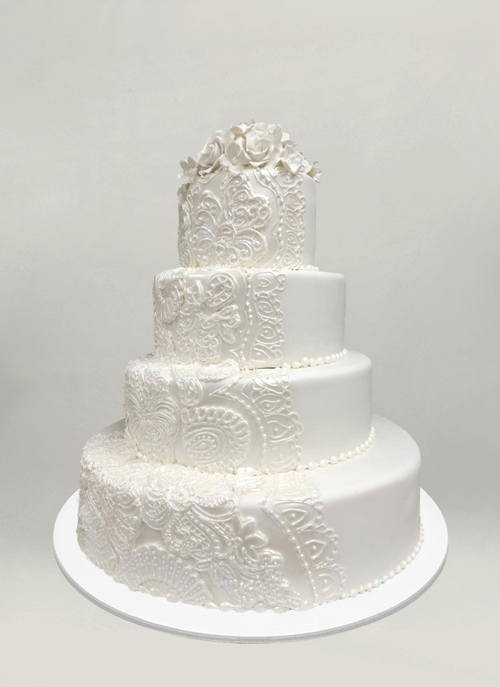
[(249, 473)]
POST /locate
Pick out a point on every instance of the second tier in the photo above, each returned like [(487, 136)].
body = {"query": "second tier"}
[(218, 418), (258, 318)]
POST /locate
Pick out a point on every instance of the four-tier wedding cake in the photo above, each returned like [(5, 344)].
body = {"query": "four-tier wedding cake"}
[(249, 473)]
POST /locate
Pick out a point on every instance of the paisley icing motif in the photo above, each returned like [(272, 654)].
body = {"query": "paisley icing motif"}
[(289, 230), (270, 397), (151, 569), (267, 398), (212, 435), (207, 320), (109, 510), (268, 340), (152, 415), (215, 323), (205, 547), (164, 343), (189, 387), (302, 523), (223, 231), (221, 290)]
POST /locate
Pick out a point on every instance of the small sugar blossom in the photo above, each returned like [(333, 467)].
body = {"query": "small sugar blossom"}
[(292, 160), (235, 157), (189, 170)]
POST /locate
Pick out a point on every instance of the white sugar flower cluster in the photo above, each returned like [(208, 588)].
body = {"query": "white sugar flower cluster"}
[(248, 145)]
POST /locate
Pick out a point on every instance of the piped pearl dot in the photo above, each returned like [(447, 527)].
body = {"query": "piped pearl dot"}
[(305, 362), (357, 451), (350, 454), (321, 361), (392, 574), (398, 569), (362, 589), (313, 465), (353, 593), (286, 366), (328, 359), (369, 587), (296, 364), (313, 362), (334, 459), (343, 456), (324, 462), (301, 467)]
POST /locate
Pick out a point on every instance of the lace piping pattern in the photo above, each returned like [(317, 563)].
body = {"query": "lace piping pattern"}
[(268, 399), (227, 315), (198, 412), (234, 226), (181, 533)]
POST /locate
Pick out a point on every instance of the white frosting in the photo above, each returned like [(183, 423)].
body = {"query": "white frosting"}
[(272, 420), (258, 318), (251, 541), (248, 475)]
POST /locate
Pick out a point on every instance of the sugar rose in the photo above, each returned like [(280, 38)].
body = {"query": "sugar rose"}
[(263, 145)]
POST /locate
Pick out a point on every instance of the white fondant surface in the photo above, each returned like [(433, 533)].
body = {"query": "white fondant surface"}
[(259, 318), (202, 623)]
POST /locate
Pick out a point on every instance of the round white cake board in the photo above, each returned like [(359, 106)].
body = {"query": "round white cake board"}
[(251, 627)]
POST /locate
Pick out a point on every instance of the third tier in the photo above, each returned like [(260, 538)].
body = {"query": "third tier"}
[(218, 418), (258, 318)]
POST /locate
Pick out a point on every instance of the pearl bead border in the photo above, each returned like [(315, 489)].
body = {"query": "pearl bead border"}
[(314, 362), (352, 593), (313, 464), (307, 268), (342, 457)]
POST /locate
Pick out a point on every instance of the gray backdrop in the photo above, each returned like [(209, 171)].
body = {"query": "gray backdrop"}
[(400, 103)]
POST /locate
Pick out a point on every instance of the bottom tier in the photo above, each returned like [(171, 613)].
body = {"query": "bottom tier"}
[(246, 540)]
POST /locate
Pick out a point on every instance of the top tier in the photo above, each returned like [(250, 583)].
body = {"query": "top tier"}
[(248, 199)]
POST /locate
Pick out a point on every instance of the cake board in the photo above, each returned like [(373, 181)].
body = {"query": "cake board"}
[(250, 627)]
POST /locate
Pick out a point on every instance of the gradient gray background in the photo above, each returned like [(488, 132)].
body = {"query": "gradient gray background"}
[(400, 103)]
